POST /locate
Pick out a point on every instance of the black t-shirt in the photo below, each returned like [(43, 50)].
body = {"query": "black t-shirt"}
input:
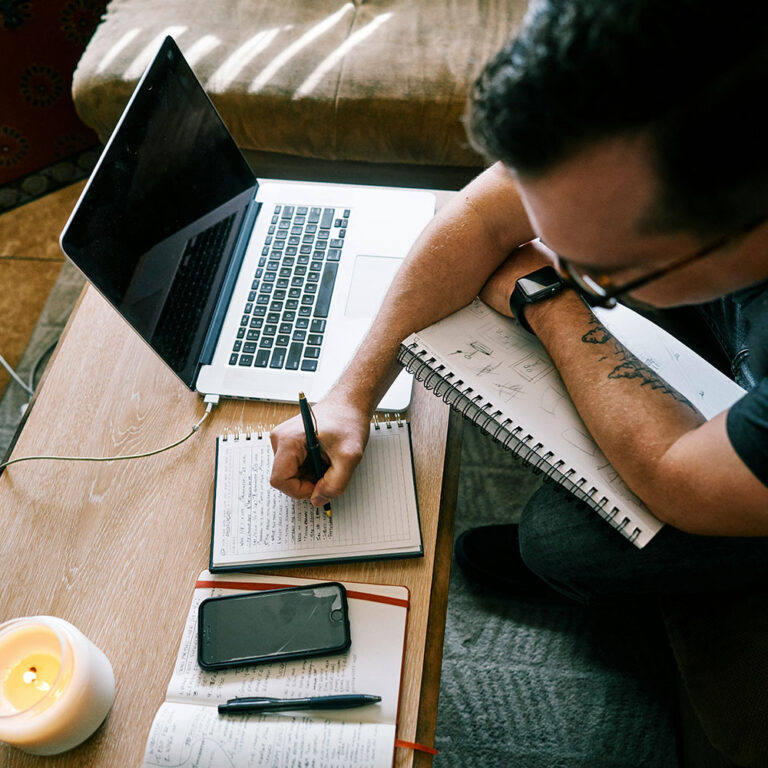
[(747, 421)]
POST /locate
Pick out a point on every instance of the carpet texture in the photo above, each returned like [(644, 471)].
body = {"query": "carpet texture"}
[(527, 684), (52, 320), (524, 684)]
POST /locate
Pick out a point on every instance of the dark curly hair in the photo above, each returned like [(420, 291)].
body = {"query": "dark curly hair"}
[(692, 75)]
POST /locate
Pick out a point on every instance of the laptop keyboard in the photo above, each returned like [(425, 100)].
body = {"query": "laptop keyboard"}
[(190, 291), (283, 322)]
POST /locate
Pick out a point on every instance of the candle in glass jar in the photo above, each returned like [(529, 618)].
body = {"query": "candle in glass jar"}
[(56, 686)]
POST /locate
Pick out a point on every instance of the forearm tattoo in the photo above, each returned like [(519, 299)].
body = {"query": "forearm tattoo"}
[(629, 366)]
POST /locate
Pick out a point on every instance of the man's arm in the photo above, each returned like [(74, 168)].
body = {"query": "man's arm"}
[(446, 268), (683, 467), (444, 271)]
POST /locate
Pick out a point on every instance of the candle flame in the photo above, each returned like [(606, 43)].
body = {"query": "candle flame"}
[(30, 678)]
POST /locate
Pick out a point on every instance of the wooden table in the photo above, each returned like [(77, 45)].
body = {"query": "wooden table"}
[(115, 548)]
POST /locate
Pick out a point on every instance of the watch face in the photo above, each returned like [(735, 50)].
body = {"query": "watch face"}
[(541, 281)]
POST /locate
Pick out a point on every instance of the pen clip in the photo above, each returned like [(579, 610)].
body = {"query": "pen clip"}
[(252, 700), (314, 418)]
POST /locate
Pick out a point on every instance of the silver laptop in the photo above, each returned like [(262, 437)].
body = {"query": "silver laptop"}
[(245, 288)]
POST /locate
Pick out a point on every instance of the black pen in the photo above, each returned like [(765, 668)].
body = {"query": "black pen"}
[(263, 704), (313, 444)]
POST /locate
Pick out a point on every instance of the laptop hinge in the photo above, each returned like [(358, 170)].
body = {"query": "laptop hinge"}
[(228, 286)]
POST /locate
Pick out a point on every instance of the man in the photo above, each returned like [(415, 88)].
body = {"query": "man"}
[(630, 141)]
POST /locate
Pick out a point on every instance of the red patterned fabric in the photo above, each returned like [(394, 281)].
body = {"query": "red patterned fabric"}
[(40, 44)]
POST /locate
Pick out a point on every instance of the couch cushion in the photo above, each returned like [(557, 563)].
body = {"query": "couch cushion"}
[(382, 82)]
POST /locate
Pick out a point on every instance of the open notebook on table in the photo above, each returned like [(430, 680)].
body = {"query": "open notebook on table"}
[(188, 730), (255, 526), (501, 378)]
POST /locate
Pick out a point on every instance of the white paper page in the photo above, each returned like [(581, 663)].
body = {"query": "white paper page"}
[(255, 523), (371, 666), (188, 736), (509, 369)]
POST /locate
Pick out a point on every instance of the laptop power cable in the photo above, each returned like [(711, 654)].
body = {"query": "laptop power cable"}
[(210, 401)]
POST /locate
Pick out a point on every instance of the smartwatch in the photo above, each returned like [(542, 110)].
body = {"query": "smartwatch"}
[(536, 286)]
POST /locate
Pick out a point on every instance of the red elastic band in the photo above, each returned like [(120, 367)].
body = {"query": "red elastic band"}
[(253, 586), (414, 745)]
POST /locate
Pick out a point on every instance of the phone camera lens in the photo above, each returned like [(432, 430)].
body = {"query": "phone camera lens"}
[(337, 615)]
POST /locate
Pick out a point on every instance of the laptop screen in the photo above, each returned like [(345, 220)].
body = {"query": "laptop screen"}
[(158, 220)]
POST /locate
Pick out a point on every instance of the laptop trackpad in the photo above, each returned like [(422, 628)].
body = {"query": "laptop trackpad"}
[(371, 277)]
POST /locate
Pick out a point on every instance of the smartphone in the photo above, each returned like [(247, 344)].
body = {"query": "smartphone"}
[(275, 625)]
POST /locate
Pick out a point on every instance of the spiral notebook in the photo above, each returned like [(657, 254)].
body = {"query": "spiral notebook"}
[(255, 526), (501, 378)]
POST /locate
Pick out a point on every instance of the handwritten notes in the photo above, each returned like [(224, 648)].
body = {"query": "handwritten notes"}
[(256, 525), (193, 736), (188, 731)]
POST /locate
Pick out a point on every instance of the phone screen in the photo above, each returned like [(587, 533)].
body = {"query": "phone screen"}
[(276, 624)]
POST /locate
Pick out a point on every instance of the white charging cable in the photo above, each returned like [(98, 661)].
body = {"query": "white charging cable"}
[(210, 403), (15, 376)]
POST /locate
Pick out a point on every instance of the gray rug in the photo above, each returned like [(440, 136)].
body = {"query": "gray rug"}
[(524, 684), (527, 684), (52, 320)]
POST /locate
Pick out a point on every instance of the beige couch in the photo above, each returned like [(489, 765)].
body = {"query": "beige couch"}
[(322, 89)]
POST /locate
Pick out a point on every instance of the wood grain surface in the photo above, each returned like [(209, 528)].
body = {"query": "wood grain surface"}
[(115, 547)]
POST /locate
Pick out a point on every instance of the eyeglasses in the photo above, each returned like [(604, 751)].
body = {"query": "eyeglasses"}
[(599, 291)]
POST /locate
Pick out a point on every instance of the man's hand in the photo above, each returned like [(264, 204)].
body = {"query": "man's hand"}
[(487, 220), (522, 261), (343, 433)]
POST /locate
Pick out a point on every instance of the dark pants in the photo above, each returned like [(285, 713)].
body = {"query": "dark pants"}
[(580, 555)]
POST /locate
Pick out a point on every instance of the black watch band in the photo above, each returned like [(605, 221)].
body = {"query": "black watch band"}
[(534, 287)]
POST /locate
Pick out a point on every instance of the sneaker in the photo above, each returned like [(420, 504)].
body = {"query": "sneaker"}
[(490, 555)]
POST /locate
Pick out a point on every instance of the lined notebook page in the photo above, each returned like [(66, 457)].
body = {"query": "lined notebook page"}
[(255, 524)]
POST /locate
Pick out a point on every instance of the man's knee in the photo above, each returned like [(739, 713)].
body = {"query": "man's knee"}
[(544, 549), (564, 543)]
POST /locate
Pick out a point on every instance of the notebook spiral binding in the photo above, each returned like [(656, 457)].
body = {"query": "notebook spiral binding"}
[(249, 433), (435, 377), (387, 421)]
